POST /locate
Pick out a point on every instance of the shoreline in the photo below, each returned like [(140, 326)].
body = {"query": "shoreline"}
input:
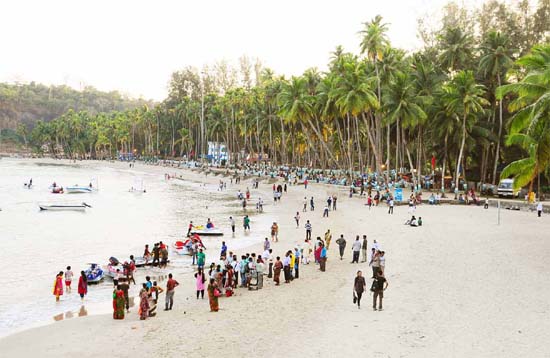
[(432, 295)]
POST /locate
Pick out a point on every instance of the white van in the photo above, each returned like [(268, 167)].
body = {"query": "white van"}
[(506, 188)]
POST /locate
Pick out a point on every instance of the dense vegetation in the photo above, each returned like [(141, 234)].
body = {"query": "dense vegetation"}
[(475, 98)]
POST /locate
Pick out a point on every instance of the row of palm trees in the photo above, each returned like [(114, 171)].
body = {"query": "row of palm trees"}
[(381, 111)]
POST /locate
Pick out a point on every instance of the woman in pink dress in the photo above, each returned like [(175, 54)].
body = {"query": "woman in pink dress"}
[(201, 279)]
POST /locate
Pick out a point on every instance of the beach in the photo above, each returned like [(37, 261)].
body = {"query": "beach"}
[(460, 284)]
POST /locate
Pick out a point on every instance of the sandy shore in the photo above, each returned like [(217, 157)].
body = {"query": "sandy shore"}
[(458, 286)]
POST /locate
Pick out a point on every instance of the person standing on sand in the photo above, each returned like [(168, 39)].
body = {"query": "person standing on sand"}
[(201, 259), (146, 254), (223, 252), (323, 258), (143, 302), (124, 285), (325, 212), (232, 223), (58, 286), (382, 260), (200, 280), (306, 251), (311, 204), (379, 285), (334, 202), (308, 230), (118, 303), (359, 286), (189, 229), (296, 262), (68, 279), (278, 266), (341, 245), (156, 255), (375, 263), (286, 267), (364, 247), (297, 219), (274, 232), (390, 204), (246, 223), (171, 284), (539, 209), (356, 249), (305, 205), (328, 238), (82, 285), (267, 245)]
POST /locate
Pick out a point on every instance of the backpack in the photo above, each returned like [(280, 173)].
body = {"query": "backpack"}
[(374, 286)]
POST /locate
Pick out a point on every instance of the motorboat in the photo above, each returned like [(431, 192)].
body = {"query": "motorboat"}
[(203, 231), (141, 262), (114, 268), (77, 189), (57, 190), (64, 207), (94, 273), (182, 247)]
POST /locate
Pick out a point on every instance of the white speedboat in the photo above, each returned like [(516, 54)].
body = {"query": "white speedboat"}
[(202, 231), (76, 189), (64, 207)]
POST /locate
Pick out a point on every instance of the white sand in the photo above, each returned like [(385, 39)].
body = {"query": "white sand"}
[(460, 286)]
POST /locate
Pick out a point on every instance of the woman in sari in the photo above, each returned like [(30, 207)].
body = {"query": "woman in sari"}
[(58, 285), (143, 303), (82, 285), (277, 267), (229, 281), (212, 297), (118, 303)]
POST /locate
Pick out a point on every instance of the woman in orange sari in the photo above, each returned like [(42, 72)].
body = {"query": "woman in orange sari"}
[(213, 294), (58, 285)]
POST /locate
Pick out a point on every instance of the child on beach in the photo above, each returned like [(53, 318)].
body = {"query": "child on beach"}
[(68, 278)]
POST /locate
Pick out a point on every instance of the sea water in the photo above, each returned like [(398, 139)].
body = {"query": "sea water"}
[(35, 244)]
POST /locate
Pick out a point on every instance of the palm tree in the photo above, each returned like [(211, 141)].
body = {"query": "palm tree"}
[(373, 43), (463, 97), (456, 49), (494, 63)]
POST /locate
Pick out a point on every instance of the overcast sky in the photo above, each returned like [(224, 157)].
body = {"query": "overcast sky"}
[(134, 45)]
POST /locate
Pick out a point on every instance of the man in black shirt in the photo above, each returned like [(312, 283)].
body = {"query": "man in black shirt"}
[(379, 285)]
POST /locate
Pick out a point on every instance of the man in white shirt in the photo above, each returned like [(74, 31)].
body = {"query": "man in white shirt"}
[(356, 249), (539, 209), (391, 203)]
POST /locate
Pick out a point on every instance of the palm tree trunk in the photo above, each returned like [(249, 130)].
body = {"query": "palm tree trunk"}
[(444, 163), (459, 160), (497, 151)]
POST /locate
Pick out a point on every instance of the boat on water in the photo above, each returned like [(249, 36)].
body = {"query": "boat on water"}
[(64, 207), (141, 262), (76, 189), (94, 273), (203, 231)]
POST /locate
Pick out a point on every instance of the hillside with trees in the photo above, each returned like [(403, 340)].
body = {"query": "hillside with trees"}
[(473, 99)]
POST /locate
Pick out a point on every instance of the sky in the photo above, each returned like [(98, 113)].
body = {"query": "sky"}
[(133, 46)]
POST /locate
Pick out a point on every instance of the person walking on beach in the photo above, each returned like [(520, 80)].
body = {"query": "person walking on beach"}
[(359, 286), (329, 202), (341, 245), (82, 285), (382, 260), (334, 202), (379, 285), (278, 266), (539, 209), (297, 219), (356, 249), (305, 205), (308, 230), (171, 284), (328, 238), (311, 204), (246, 223), (201, 259), (223, 251), (274, 232), (323, 258), (118, 302), (146, 254), (267, 244), (390, 204), (58, 286), (364, 248), (68, 279), (296, 262), (232, 223), (486, 205), (200, 280)]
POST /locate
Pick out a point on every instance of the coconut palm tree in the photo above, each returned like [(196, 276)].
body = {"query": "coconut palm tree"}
[(494, 62), (463, 98)]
